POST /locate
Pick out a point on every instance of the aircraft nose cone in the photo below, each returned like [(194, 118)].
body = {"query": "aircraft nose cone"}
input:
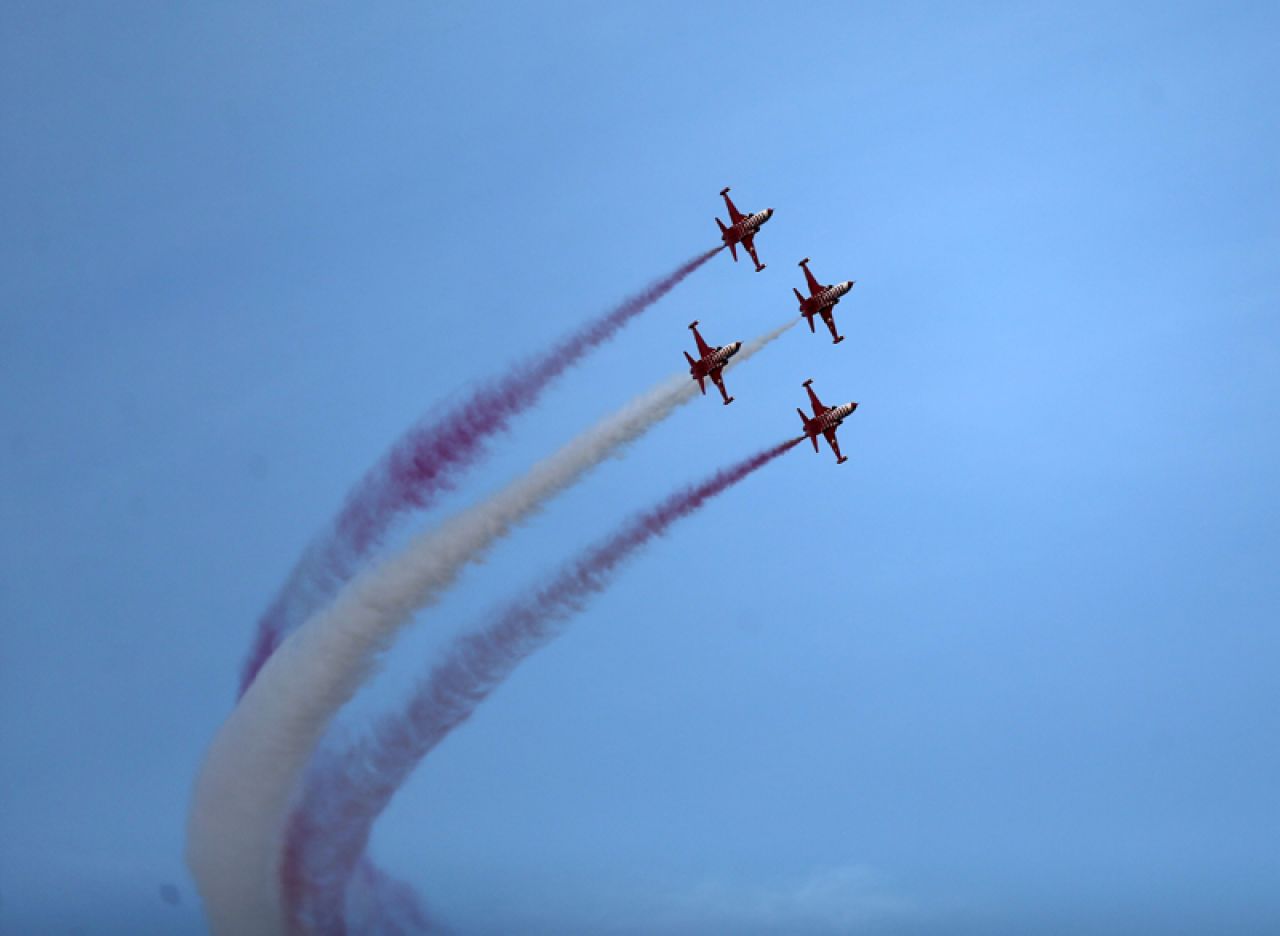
[(768, 212)]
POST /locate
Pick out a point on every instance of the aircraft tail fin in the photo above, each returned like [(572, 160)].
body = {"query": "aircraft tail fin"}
[(799, 297), (702, 384), (691, 361), (724, 236), (804, 421)]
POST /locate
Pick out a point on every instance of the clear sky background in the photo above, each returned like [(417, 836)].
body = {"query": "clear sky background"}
[(1012, 668)]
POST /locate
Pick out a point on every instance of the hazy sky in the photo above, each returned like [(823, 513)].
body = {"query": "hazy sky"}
[(1012, 668)]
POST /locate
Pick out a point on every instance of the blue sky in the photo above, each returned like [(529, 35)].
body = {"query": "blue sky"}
[(1010, 669)]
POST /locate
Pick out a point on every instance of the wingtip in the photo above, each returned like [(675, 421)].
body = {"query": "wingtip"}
[(803, 262), (693, 324), (807, 382), (725, 190)]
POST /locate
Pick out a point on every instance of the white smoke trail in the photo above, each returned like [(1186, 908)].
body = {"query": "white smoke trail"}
[(243, 792)]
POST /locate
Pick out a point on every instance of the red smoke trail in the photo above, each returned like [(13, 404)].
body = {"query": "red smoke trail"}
[(425, 462), (345, 792)]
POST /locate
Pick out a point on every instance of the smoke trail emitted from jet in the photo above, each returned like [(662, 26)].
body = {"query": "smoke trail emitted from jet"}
[(346, 791), (426, 462), (242, 793)]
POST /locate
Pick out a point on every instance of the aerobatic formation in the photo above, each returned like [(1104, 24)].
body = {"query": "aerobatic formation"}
[(278, 832), (821, 301)]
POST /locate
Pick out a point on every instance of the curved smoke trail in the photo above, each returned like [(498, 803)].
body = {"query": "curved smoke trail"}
[(347, 790), (385, 906), (242, 793), (426, 462)]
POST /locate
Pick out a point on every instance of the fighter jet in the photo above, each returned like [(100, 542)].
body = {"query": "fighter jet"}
[(710, 363), (822, 300), (742, 229), (825, 421)]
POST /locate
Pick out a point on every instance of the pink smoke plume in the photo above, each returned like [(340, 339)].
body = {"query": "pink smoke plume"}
[(425, 463), (345, 792), (379, 905)]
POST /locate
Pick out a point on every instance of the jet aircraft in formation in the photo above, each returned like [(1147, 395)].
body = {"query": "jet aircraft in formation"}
[(825, 421), (742, 229), (821, 301), (710, 363)]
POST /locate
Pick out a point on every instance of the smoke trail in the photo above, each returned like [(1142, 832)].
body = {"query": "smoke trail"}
[(426, 462), (346, 791), (242, 793), (382, 906)]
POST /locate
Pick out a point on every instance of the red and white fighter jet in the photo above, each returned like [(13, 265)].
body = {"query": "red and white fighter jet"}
[(742, 229), (710, 363), (825, 421), (822, 300)]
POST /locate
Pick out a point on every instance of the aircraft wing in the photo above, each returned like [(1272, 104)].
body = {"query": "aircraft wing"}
[(818, 408), (829, 317), (831, 441), (734, 214), (814, 286), (703, 348), (749, 242)]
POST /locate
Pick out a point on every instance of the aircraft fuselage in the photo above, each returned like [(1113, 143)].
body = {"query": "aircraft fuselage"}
[(747, 227), (715, 360), (825, 299), (830, 419)]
